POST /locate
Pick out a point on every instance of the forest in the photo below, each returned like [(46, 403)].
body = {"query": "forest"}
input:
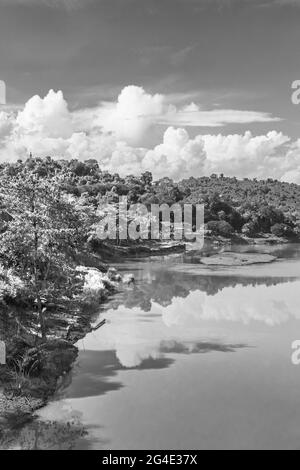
[(249, 207)]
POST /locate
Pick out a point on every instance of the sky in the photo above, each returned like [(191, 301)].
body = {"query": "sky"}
[(178, 87)]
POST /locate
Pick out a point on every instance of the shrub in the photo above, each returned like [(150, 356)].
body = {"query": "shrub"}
[(269, 216), (250, 229), (220, 228), (282, 230), (235, 220)]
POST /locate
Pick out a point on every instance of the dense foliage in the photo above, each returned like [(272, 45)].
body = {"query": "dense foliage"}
[(248, 207), (40, 237)]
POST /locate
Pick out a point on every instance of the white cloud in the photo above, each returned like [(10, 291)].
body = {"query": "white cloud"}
[(292, 176), (193, 116), (6, 125), (134, 114), (292, 164), (48, 117), (117, 135), (247, 155), (177, 155)]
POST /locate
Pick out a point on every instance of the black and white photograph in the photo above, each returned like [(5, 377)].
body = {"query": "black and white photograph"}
[(149, 227)]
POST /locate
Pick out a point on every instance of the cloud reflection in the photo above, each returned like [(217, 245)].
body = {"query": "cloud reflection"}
[(181, 325)]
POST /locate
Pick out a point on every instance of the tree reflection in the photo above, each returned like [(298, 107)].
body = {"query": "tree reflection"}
[(165, 285)]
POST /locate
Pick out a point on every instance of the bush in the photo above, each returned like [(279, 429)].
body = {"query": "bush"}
[(250, 229), (220, 228), (282, 230), (269, 216), (236, 220)]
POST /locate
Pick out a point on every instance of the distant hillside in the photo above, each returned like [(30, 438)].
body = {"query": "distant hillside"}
[(246, 206), (283, 196)]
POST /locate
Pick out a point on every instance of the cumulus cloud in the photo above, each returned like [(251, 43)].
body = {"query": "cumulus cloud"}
[(177, 155), (48, 117), (117, 135), (134, 114), (6, 125), (291, 165), (291, 176), (247, 155)]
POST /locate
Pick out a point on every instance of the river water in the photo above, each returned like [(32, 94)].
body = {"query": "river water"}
[(191, 357)]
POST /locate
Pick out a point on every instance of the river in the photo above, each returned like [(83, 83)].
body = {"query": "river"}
[(191, 357)]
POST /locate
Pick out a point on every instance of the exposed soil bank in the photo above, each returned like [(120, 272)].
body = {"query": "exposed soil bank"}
[(141, 249)]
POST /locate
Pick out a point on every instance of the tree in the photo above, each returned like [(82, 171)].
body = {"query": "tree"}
[(269, 216), (282, 230), (220, 228), (41, 238), (147, 178), (250, 229)]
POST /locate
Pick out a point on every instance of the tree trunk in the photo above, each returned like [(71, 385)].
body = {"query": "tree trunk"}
[(41, 318)]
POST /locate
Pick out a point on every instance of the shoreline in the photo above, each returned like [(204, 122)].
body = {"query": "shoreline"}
[(56, 356)]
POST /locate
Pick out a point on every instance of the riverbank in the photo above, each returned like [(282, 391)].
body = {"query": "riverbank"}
[(262, 239), (147, 248), (140, 248), (35, 368)]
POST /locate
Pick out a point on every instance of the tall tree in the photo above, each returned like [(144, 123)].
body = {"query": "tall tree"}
[(41, 237)]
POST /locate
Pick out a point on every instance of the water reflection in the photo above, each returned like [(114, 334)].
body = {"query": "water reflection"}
[(161, 286), (185, 319), (191, 359), (97, 370)]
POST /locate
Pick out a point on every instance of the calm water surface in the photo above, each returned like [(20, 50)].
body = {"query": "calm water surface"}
[(191, 358)]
